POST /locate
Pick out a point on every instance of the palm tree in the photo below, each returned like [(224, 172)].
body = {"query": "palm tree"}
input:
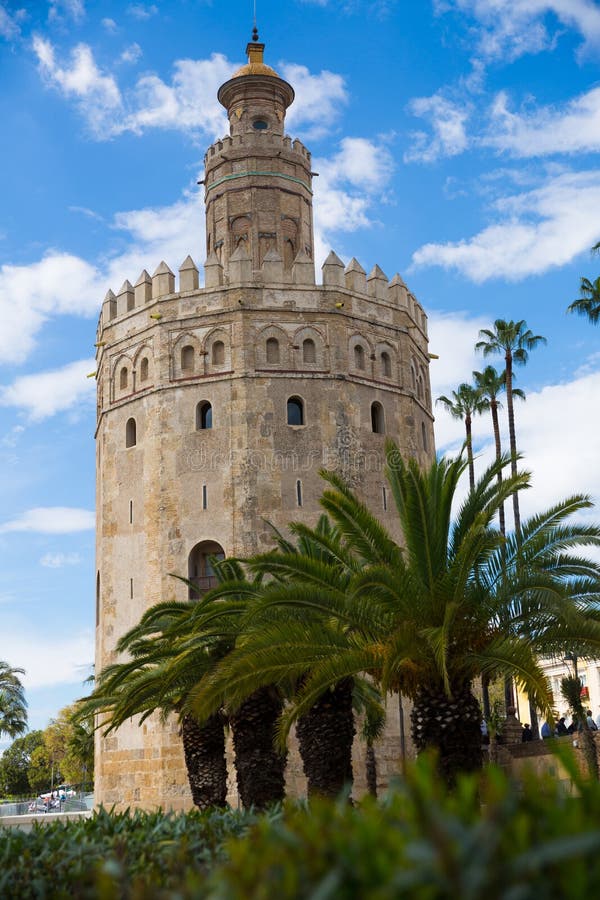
[(466, 402), (490, 384), (425, 618), (588, 304), (143, 684), (13, 706), (570, 688), (515, 341), (325, 730)]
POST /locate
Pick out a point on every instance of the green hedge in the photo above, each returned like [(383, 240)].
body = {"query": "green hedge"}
[(487, 840)]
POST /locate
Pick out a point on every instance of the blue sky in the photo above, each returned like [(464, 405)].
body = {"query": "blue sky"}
[(457, 143)]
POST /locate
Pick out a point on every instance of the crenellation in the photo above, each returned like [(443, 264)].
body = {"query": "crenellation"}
[(163, 281), (398, 292), (377, 284), (355, 277), (109, 306), (125, 298), (143, 289), (188, 275), (303, 270), (333, 271)]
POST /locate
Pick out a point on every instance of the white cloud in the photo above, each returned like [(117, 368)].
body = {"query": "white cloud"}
[(536, 231), (132, 53), (73, 9), (51, 520), (50, 658), (9, 24), (97, 94), (345, 189), (318, 101), (512, 28), (110, 25), (47, 393), (447, 120), (572, 128), (57, 284), (142, 11), (59, 560)]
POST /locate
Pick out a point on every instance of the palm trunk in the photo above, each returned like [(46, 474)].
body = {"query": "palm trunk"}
[(496, 427), (513, 440), (450, 725), (470, 452), (371, 769), (325, 737), (260, 768), (204, 752), (589, 748)]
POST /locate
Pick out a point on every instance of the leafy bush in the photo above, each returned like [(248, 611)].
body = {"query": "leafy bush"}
[(487, 839)]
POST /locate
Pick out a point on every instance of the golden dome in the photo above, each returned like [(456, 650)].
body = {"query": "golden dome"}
[(254, 68), (255, 64)]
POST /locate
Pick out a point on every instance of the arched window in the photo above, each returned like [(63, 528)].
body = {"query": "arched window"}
[(309, 351), (377, 418), (200, 567), (187, 358), (218, 353), (413, 377), (272, 350), (144, 369), (420, 387), (424, 435), (130, 433), (203, 416), (359, 357), (295, 411), (386, 365), (123, 379)]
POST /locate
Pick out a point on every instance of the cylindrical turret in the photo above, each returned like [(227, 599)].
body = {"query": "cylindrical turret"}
[(258, 190)]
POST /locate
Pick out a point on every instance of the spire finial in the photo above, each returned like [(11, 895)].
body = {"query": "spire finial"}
[(254, 28)]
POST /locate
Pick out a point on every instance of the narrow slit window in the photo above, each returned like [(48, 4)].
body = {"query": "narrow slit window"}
[(144, 370), (130, 433), (204, 419), (359, 357), (131, 588), (377, 418), (295, 411), (386, 365), (123, 379), (204, 497), (424, 435), (384, 498), (131, 512), (299, 492)]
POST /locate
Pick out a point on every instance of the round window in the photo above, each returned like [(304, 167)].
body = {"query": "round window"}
[(260, 124)]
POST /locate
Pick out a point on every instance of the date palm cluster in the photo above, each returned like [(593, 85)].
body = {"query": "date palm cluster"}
[(13, 706), (339, 616)]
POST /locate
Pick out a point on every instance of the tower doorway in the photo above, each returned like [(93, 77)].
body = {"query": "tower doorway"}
[(201, 573)]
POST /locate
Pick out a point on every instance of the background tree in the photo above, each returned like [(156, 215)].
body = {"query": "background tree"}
[(13, 707), (466, 401), (15, 763), (588, 304), (571, 688), (515, 341)]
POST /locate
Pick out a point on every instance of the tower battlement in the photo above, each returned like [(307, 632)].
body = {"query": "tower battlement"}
[(255, 141), (367, 295)]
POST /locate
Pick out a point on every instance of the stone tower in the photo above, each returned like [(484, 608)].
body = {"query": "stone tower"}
[(217, 405)]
